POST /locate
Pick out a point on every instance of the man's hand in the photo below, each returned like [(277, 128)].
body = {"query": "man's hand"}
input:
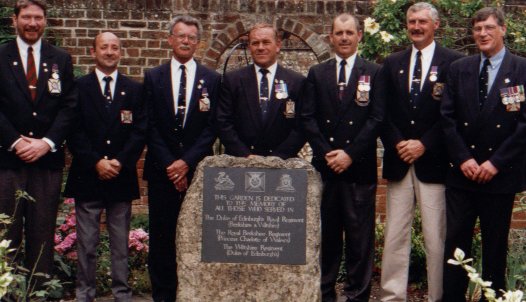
[(108, 169), (469, 168), (177, 170), (410, 150), (338, 160), (31, 149), (182, 185), (485, 172)]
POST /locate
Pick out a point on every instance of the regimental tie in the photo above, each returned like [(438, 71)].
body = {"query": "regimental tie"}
[(483, 83), (107, 91), (341, 80), (415, 82), (181, 100), (31, 74), (263, 93)]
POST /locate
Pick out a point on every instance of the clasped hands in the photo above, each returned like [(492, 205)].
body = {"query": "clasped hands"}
[(31, 149), (338, 160), (108, 168), (176, 172), (410, 150), (478, 173)]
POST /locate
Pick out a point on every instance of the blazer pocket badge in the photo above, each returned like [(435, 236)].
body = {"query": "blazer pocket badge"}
[(290, 109), (512, 97), (438, 91), (126, 117), (362, 93), (280, 89), (54, 85), (204, 101)]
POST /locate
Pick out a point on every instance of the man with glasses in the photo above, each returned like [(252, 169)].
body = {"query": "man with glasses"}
[(484, 120), (180, 97)]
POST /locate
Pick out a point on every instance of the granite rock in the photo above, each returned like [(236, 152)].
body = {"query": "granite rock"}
[(200, 281)]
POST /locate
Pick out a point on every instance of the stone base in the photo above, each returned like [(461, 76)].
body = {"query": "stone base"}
[(237, 282)]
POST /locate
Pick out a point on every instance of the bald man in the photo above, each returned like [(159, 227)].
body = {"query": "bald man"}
[(106, 146)]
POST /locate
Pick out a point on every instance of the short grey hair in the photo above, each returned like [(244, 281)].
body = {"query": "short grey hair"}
[(433, 12), (188, 20)]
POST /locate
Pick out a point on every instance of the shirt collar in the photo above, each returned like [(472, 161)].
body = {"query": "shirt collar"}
[(427, 52), (23, 46), (272, 68), (350, 60), (190, 65), (496, 60), (101, 75)]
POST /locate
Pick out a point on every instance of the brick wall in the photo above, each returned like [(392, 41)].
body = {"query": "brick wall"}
[(141, 26)]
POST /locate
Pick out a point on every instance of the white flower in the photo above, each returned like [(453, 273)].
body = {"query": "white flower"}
[(459, 254), (371, 26), (386, 37), (5, 243), (515, 296), (490, 294)]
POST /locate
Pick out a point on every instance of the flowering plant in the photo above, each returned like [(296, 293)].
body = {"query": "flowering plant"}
[(474, 277)]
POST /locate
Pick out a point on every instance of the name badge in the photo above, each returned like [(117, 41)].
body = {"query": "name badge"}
[(53, 84), (126, 117), (362, 94), (204, 101)]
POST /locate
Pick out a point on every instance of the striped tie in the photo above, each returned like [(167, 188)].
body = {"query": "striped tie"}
[(31, 74)]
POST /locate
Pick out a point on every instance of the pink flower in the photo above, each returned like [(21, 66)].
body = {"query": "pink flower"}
[(72, 255), (67, 243), (138, 240), (69, 201), (58, 239)]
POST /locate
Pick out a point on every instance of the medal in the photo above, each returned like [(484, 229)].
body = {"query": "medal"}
[(364, 86), (53, 84), (433, 74), (280, 88), (510, 98), (204, 102)]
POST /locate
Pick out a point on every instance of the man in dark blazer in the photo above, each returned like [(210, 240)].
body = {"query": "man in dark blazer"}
[(258, 110), (37, 111), (415, 158), (180, 96), (484, 119), (341, 118), (106, 145)]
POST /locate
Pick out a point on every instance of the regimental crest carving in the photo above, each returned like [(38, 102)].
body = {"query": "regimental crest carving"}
[(285, 184), (223, 182), (255, 181)]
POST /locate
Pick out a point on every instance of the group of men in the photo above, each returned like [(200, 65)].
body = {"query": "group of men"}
[(453, 130)]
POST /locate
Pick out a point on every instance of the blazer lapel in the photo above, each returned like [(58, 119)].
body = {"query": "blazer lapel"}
[(505, 72), (330, 75), (196, 92), (119, 99), (166, 87), (97, 97), (46, 66), (15, 64), (250, 86), (403, 79), (275, 104)]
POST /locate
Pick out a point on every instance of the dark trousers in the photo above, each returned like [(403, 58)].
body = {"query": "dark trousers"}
[(494, 212), (118, 214), (347, 208), (34, 220), (164, 204)]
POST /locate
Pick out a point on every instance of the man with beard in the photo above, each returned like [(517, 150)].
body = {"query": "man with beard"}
[(103, 175), (180, 96), (341, 118), (259, 104), (37, 112), (484, 119), (415, 157)]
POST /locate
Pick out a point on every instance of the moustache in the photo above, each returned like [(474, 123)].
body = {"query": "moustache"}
[(417, 32), (184, 47)]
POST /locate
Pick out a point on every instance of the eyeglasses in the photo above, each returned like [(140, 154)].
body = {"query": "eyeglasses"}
[(181, 37)]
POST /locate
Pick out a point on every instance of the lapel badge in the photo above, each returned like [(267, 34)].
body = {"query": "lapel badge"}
[(200, 84), (123, 93), (46, 70), (362, 94), (433, 74), (126, 117), (44, 64), (438, 91), (280, 88), (15, 63), (506, 80), (290, 109), (54, 84), (401, 71), (204, 102)]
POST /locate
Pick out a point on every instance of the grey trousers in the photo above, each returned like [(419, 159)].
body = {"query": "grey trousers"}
[(118, 216)]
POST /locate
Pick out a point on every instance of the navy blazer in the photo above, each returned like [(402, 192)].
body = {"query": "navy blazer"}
[(492, 133), (241, 127), (333, 124), (118, 133), (165, 144), (51, 115), (404, 122)]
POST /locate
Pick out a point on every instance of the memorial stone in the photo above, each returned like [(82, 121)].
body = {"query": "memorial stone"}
[(249, 230)]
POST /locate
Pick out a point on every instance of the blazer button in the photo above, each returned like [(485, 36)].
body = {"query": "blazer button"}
[(108, 142), (181, 145), (351, 123), (175, 129), (412, 122), (490, 149), (472, 146), (328, 121), (466, 124), (498, 126), (331, 139), (30, 133), (269, 151), (251, 147), (34, 114), (105, 157), (451, 165), (347, 141)]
